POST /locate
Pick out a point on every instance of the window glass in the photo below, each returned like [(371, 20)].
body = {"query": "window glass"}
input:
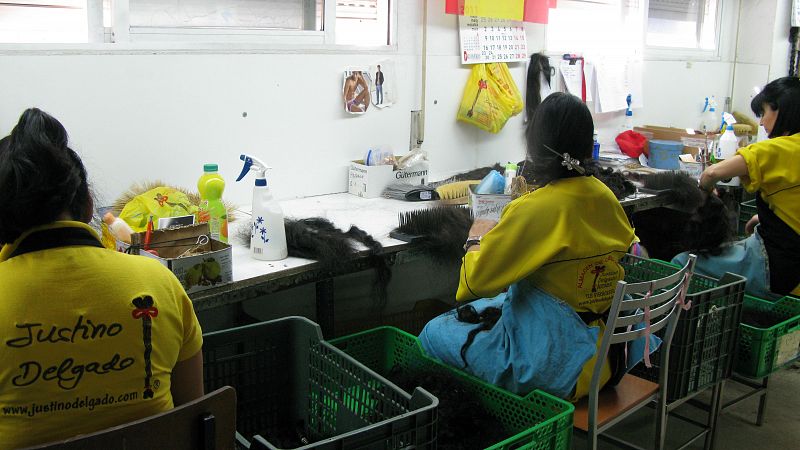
[(682, 24), (362, 22), (50, 21), (228, 14)]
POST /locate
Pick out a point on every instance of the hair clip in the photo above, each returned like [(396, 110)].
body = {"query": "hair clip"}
[(568, 161)]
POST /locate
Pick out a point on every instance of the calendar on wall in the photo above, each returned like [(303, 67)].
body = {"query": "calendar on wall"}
[(485, 40)]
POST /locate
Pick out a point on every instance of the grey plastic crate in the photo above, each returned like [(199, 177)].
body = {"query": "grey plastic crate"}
[(292, 385)]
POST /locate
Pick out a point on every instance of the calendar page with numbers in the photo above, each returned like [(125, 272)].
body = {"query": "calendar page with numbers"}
[(485, 40)]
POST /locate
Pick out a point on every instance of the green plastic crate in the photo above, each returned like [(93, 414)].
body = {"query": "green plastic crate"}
[(290, 382), (704, 344), (538, 422), (746, 211), (762, 351)]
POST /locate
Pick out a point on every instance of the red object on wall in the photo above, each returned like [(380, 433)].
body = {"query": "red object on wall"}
[(536, 11), (454, 7)]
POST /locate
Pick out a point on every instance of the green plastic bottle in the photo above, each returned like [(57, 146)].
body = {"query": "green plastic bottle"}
[(212, 210)]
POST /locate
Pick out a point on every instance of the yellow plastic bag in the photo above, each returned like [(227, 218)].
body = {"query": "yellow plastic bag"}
[(159, 202), (490, 97)]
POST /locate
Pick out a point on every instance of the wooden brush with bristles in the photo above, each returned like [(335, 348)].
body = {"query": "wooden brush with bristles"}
[(455, 193)]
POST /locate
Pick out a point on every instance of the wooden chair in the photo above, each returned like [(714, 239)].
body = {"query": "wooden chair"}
[(603, 409), (206, 423)]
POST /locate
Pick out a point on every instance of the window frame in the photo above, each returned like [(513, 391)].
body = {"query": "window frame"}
[(117, 38), (653, 52), (675, 53)]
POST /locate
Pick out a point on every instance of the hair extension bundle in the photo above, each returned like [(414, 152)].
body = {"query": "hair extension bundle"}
[(485, 319), (693, 221), (318, 239), (615, 181), (463, 420), (440, 231), (539, 67)]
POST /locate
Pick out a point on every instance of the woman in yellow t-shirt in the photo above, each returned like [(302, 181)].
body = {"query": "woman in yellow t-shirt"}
[(771, 169), (92, 338), (556, 250)]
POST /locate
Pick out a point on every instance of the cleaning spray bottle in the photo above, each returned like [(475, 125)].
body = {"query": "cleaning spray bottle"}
[(267, 232), (710, 121), (628, 123), (728, 142)]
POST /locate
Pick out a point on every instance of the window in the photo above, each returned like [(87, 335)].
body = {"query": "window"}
[(362, 22), (289, 22), (47, 21), (228, 14), (690, 24), (596, 27), (620, 26)]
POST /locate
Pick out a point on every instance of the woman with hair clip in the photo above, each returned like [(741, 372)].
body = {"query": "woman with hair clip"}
[(770, 257), (556, 250), (92, 338)]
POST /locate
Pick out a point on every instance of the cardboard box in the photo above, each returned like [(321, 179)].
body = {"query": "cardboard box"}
[(369, 181), (205, 266), (487, 206)]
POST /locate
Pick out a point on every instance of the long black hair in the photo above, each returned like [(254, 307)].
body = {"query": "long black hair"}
[(539, 65), (563, 123), (783, 96), (41, 178)]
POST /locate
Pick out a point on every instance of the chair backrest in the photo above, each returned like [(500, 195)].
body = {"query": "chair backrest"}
[(206, 423), (655, 304)]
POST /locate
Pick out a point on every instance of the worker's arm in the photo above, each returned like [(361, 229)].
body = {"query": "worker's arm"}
[(733, 167), (187, 379)]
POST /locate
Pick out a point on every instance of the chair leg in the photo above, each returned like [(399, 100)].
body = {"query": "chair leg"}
[(713, 414), (661, 421), (762, 403), (591, 439)]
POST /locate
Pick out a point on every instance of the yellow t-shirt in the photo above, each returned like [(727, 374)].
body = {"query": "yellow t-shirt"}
[(566, 238), (87, 335), (773, 167)]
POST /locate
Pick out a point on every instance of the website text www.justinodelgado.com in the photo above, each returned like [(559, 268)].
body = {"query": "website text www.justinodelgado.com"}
[(85, 402)]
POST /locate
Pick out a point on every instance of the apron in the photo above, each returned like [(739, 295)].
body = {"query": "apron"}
[(539, 342)]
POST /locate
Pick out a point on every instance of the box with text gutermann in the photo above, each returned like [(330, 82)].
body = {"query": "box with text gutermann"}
[(198, 261), (369, 181)]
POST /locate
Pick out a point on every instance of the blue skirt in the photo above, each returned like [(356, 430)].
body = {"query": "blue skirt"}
[(539, 342)]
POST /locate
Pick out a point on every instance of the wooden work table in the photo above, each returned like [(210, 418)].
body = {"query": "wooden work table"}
[(253, 278)]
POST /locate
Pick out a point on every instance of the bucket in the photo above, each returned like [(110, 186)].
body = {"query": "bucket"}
[(664, 154)]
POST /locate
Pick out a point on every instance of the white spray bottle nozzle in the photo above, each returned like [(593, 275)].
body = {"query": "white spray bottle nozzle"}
[(253, 163), (729, 120)]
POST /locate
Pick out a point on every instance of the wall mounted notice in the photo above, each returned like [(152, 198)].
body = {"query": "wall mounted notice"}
[(485, 40)]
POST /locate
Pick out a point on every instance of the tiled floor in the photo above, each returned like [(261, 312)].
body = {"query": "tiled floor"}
[(736, 429)]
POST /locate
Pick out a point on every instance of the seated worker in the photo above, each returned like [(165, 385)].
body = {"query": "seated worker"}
[(556, 250), (92, 338), (770, 257)]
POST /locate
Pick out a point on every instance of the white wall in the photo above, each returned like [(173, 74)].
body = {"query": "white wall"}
[(141, 116), (160, 115)]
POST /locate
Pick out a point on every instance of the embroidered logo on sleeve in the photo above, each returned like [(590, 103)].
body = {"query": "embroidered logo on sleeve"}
[(146, 312)]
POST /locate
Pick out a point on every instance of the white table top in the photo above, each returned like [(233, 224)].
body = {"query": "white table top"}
[(376, 216)]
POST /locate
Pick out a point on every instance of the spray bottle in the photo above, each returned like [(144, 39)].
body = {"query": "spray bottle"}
[(728, 142), (628, 124), (267, 232), (710, 121)]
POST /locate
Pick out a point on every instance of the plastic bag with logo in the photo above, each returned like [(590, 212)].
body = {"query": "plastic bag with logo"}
[(159, 202), (490, 97)]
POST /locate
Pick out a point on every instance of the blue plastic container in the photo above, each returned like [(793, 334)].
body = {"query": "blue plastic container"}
[(664, 154)]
